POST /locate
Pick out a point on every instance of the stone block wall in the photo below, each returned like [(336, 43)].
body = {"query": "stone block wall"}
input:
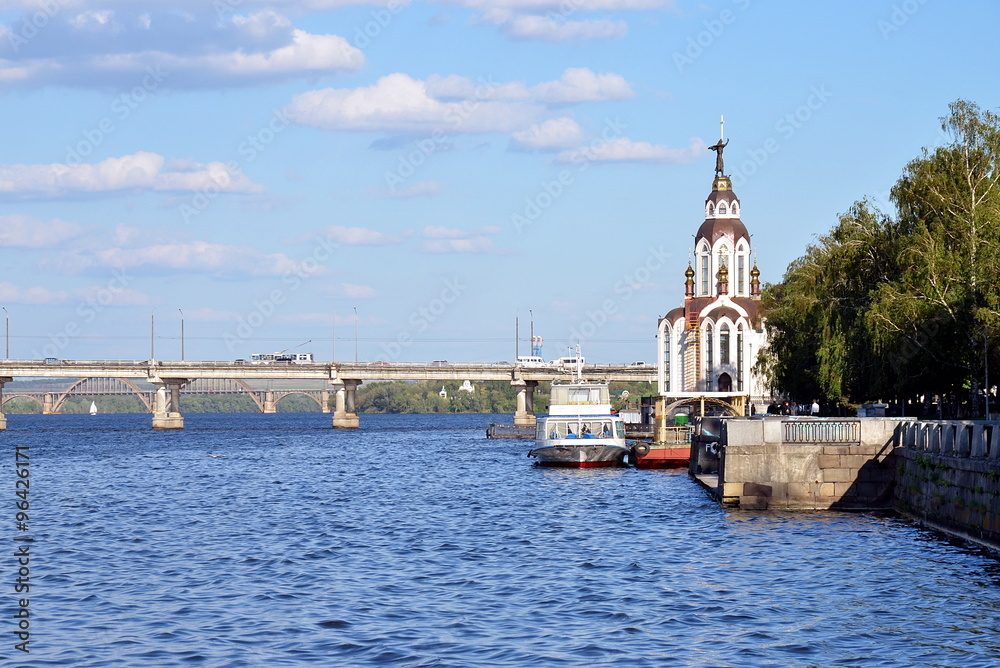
[(948, 477), (791, 464)]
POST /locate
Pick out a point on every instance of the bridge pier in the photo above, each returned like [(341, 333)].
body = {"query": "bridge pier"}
[(48, 404), (270, 405), (324, 401), (3, 418), (345, 414), (525, 414), (167, 404)]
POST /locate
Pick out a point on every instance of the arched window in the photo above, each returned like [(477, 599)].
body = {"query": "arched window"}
[(723, 256), (739, 358), (711, 209), (710, 356), (736, 209), (722, 208), (666, 358), (704, 273), (724, 344), (741, 265)]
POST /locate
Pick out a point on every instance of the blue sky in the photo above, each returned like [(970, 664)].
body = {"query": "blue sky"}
[(271, 168)]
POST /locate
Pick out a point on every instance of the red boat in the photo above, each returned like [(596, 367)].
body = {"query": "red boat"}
[(675, 453)]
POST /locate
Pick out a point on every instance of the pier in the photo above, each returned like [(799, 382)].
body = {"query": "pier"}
[(944, 474), (342, 379)]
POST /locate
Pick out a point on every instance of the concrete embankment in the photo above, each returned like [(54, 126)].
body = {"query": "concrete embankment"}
[(943, 474)]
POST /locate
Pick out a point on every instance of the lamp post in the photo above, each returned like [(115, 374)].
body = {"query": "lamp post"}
[(7, 329), (152, 334), (182, 334), (333, 357), (355, 333)]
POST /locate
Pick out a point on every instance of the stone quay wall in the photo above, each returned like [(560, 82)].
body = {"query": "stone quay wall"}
[(948, 477), (807, 463)]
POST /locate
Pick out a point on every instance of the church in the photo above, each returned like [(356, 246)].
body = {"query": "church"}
[(709, 345)]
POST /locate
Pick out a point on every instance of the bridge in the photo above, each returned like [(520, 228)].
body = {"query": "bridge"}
[(168, 378)]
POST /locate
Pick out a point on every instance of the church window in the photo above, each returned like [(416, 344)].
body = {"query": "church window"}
[(722, 208), (724, 344), (710, 353), (704, 274), (740, 273), (739, 359), (736, 209), (666, 358), (711, 209), (723, 257)]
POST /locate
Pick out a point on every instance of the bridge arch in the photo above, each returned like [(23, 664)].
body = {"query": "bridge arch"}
[(278, 396), (8, 397), (220, 385), (732, 410), (103, 386)]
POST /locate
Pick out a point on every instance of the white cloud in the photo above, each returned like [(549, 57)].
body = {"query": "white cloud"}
[(553, 134), (429, 187), (399, 103), (29, 232), (452, 104), (440, 239), (37, 295), (622, 149), (196, 256), (352, 236), (579, 84), (139, 171), (353, 291), (201, 47), (547, 29)]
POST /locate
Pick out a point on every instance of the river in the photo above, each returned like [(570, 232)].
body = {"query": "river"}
[(273, 540)]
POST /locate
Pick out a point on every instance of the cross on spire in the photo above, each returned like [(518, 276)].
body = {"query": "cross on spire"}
[(722, 127)]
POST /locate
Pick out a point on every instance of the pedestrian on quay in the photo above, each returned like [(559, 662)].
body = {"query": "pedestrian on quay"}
[(814, 409)]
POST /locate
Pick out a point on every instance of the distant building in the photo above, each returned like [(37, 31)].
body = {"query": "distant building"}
[(711, 343)]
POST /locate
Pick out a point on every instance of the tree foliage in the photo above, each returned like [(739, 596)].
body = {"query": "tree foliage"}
[(886, 307)]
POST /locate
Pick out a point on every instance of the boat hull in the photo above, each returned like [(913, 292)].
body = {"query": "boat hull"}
[(663, 456), (580, 456)]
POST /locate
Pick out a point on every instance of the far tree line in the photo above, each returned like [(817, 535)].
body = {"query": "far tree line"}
[(901, 306)]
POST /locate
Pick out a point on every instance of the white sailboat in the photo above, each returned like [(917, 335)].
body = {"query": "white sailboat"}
[(93, 408)]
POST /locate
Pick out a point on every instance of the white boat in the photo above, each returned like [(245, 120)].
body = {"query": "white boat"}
[(93, 408), (580, 431)]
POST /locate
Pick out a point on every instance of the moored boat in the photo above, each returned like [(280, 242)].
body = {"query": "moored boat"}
[(673, 453), (580, 431)]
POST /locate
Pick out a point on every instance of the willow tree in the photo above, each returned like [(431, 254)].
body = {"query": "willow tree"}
[(939, 316), (819, 343), (883, 307)]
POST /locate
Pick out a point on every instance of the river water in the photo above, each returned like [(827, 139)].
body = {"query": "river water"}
[(273, 540)]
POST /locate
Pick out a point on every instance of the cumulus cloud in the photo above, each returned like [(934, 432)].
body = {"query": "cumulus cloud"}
[(197, 257), (440, 239), (546, 29), (119, 46), (139, 171), (401, 104), (354, 291), (553, 134), (579, 84), (37, 295), (352, 236), (623, 149), (429, 187), (19, 231)]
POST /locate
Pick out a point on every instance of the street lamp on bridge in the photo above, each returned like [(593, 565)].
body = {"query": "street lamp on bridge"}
[(355, 333), (152, 334), (7, 329), (182, 334)]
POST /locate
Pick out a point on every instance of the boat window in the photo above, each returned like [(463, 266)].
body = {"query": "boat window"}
[(620, 429)]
